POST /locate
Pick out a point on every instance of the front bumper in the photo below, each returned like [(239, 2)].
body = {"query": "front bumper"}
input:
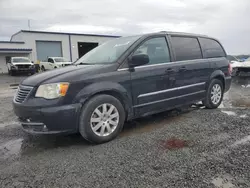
[(24, 70), (48, 120)]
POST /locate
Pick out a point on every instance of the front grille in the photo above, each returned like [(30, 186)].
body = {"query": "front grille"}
[(23, 66), (22, 93)]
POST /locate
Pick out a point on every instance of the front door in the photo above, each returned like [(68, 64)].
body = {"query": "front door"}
[(50, 64), (151, 84)]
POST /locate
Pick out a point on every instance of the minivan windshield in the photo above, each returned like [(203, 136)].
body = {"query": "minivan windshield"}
[(20, 60), (108, 52)]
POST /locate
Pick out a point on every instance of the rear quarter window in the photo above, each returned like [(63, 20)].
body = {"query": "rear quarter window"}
[(211, 48), (186, 48)]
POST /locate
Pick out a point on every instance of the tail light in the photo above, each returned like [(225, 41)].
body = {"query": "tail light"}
[(230, 69)]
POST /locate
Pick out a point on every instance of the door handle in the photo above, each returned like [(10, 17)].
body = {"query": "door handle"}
[(183, 69), (169, 70)]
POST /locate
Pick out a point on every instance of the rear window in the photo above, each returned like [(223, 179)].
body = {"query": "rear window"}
[(186, 48), (211, 48)]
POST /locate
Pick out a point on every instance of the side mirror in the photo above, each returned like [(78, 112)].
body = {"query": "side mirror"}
[(139, 59)]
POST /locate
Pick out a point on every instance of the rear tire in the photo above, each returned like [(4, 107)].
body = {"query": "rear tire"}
[(43, 69), (106, 124), (214, 94)]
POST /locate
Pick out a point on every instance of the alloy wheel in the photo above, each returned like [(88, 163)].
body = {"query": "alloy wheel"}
[(104, 119), (216, 94)]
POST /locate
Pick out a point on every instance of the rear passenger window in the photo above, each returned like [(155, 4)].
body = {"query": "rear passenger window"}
[(186, 48), (156, 49), (211, 48)]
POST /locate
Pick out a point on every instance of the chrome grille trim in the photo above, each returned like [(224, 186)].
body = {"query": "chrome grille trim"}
[(22, 93), (23, 66)]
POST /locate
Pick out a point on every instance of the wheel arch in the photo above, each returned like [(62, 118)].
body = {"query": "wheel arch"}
[(218, 74), (113, 89)]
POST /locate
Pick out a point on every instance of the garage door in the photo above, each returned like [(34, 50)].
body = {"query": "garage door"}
[(46, 49)]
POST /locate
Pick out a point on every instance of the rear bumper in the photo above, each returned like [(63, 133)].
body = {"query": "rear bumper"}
[(49, 120), (228, 81)]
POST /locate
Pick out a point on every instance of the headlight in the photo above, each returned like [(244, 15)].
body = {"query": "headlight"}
[(52, 91), (14, 67)]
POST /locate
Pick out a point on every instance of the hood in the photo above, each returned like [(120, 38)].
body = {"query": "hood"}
[(65, 74), (236, 64), (246, 64), (241, 64), (20, 63)]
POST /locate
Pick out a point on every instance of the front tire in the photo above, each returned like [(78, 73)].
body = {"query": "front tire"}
[(214, 94), (101, 119), (12, 73)]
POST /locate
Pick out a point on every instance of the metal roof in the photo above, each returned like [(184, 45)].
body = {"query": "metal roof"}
[(82, 34), (16, 49), (12, 42), (63, 33)]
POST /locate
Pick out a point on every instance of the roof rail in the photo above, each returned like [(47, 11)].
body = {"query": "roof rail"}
[(182, 33)]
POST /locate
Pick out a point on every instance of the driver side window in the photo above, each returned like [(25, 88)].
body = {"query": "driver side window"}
[(156, 49), (50, 60)]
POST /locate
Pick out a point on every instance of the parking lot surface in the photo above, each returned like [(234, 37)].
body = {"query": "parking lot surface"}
[(188, 147)]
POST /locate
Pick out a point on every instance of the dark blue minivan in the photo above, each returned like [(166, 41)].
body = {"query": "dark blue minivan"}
[(124, 79)]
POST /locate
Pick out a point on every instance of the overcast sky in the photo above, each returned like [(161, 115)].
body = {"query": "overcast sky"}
[(227, 20)]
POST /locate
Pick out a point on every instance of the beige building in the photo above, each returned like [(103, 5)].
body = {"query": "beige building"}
[(38, 45)]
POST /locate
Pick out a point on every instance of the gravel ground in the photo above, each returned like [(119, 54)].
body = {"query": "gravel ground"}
[(189, 147), (6, 80)]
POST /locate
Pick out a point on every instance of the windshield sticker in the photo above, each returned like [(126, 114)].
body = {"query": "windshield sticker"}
[(117, 45)]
